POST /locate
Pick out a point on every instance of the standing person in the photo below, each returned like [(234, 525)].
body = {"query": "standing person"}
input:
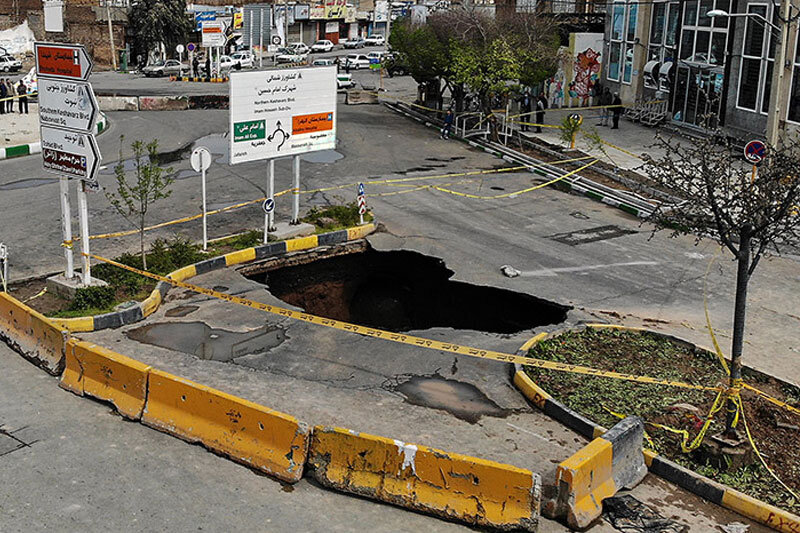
[(3, 95), (10, 102), (605, 101), (617, 110), (448, 124), (195, 67), (525, 108), (541, 105), (208, 65), (22, 91)]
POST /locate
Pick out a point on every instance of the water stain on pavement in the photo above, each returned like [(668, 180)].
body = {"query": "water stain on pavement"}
[(27, 183), (323, 156), (465, 401), (182, 310), (205, 342)]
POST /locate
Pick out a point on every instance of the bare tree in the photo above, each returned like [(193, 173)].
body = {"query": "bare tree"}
[(749, 213)]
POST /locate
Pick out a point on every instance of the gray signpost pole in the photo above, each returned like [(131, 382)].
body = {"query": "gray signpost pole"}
[(269, 224), (296, 190), (66, 225), (83, 211)]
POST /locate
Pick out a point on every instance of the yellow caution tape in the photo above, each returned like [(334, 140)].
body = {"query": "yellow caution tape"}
[(623, 150), (410, 340), (538, 125), (771, 399), (40, 293), (685, 446), (588, 108), (17, 96), (717, 349)]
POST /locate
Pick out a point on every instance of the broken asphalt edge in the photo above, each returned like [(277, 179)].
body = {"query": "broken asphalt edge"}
[(467, 489), (709, 490)]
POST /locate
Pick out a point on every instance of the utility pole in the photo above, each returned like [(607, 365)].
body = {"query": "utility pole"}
[(111, 34), (776, 107), (285, 22)]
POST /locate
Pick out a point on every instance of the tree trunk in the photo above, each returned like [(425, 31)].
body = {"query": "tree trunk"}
[(141, 247), (740, 305), (486, 107)]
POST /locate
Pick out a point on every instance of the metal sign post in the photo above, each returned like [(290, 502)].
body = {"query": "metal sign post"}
[(83, 218), (269, 224), (4, 260), (201, 160), (66, 225), (296, 190)]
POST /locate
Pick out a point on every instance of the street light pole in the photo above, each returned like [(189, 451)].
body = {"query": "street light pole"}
[(776, 107)]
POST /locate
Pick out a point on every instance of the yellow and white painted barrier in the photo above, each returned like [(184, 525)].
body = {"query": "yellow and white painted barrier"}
[(596, 472), (263, 439), (32, 335), (458, 487), (94, 371)]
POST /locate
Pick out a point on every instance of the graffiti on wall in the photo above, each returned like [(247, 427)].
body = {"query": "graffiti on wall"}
[(586, 70)]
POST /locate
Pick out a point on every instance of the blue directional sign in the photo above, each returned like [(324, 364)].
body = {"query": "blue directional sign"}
[(268, 206), (203, 16), (361, 189)]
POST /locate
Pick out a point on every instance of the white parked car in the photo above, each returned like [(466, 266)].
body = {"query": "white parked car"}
[(10, 64), (170, 67), (243, 59), (356, 61), (322, 46), (226, 63), (344, 81), (377, 55), (300, 48), (375, 40), (354, 42), (323, 63), (288, 55)]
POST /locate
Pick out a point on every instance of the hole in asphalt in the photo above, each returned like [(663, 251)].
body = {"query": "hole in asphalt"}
[(182, 310), (462, 400), (496, 188), (402, 291), (205, 342)]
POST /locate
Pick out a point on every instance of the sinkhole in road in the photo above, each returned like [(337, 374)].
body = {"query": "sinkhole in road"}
[(205, 342), (404, 290)]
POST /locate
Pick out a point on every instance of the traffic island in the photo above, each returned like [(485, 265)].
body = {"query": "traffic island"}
[(675, 418)]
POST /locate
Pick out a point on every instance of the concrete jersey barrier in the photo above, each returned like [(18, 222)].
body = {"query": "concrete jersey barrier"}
[(32, 335)]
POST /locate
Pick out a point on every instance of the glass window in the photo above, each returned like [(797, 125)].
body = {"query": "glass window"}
[(748, 83), (672, 25), (794, 97), (618, 22), (657, 23), (767, 88), (754, 33), (722, 22), (632, 12), (690, 13), (717, 49), (701, 46), (628, 68), (705, 7), (613, 63), (687, 44), (654, 53)]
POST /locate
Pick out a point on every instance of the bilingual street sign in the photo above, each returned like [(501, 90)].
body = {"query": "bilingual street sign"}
[(67, 104), (755, 152), (213, 34), (62, 61), (70, 153)]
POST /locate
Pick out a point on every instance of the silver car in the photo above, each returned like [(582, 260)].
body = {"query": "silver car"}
[(170, 67)]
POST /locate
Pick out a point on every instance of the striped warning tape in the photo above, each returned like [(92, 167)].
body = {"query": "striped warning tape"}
[(410, 340)]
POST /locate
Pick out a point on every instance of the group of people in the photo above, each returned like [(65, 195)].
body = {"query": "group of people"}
[(7, 93)]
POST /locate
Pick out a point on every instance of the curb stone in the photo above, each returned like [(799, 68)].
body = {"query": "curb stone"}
[(706, 488), (140, 310), (9, 152)]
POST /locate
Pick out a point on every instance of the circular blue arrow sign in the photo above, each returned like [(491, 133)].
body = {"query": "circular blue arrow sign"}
[(268, 206)]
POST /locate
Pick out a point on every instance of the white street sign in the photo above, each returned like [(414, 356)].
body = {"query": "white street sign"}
[(213, 34), (67, 104), (62, 61), (179, 48), (200, 159), (278, 113), (70, 153)]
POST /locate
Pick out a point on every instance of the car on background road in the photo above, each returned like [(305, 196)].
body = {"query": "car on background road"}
[(354, 42), (322, 46), (394, 66), (356, 61), (323, 63), (344, 81), (226, 63), (170, 67), (289, 55), (375, 39), (380, 56), (300, 48), (243, 59), (10, 64)]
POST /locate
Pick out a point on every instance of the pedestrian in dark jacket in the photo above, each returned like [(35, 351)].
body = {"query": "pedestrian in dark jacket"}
[(541, 105), (208, 65), (605, 112), (3, 96), (616, 110), (10, 102), (525, 105), (22, 91), (195, 67), (448, 124)]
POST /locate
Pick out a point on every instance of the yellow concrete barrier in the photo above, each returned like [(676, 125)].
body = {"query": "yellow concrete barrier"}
[(302, 243), (596, 472), (183, 273), (94, 371), (269, 441), (32, 335), (359, 232), (453, 486), (771, 516), (241, 256)]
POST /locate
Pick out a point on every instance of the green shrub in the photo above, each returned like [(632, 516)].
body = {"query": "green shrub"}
[(93, 298), (344, 215)]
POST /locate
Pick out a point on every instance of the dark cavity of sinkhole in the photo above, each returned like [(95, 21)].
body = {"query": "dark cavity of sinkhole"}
[(402, 291)]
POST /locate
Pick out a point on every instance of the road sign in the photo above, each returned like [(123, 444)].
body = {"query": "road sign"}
[(191, 47), (755, 152), (62, 61), (361, 189), (67, 104), (200, 159), (70, 153), (362, 205), (179, 48), (277, 113), (268, 206), (213, 34), (203, 16), (576, 119)]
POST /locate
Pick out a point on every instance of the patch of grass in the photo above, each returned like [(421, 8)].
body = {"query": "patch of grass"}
[(335, 217), (248, 239)]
